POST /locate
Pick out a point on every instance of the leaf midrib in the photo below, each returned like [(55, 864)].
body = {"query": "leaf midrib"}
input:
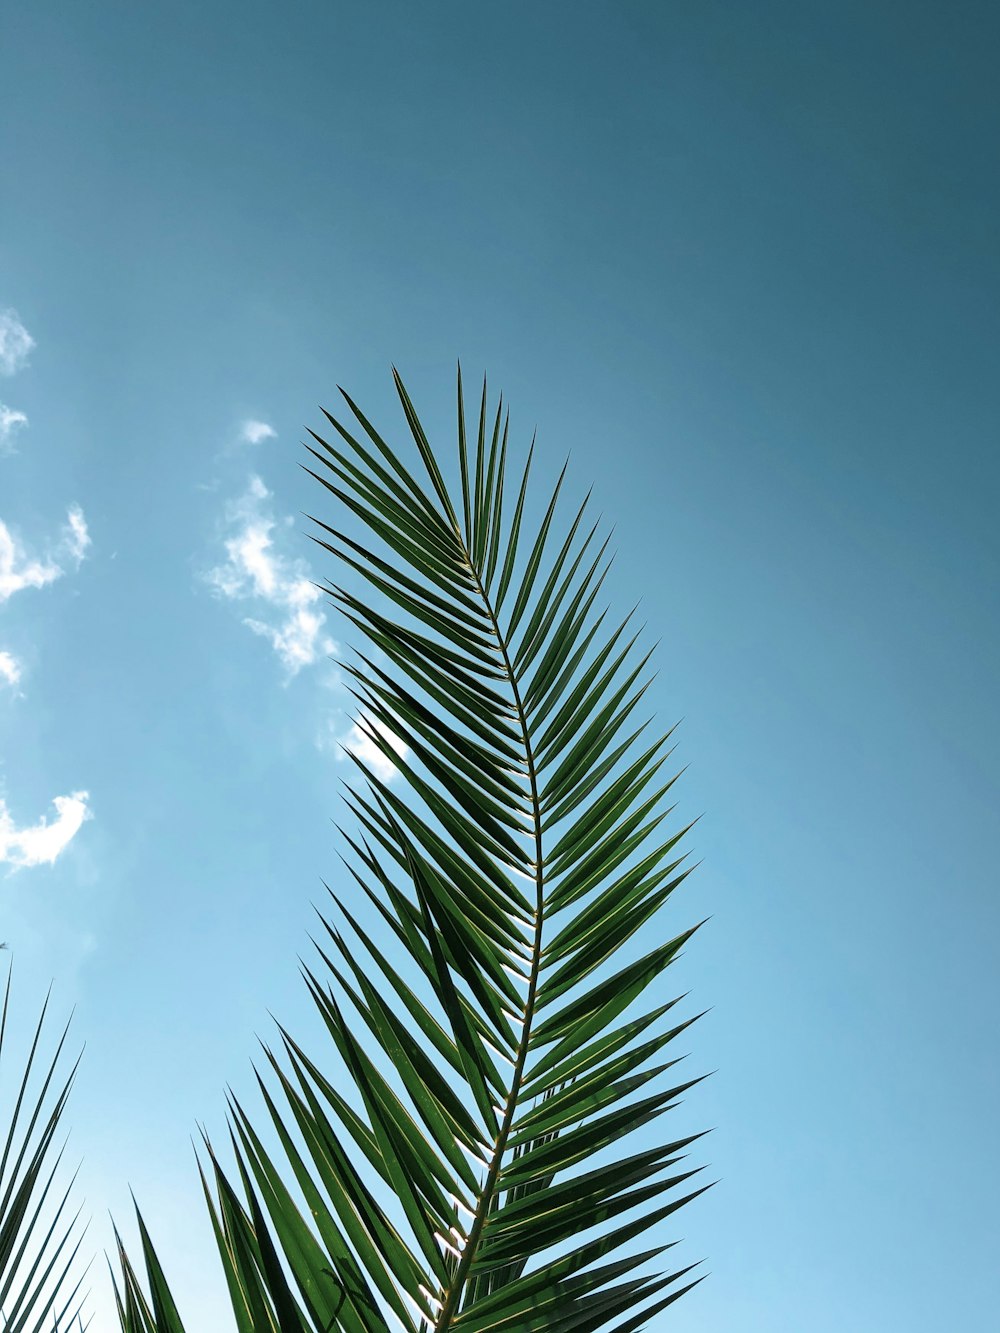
[(452, 1303)]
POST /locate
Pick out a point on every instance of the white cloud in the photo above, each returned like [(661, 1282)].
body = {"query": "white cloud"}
[(359, 742), (255, 570), (295, 639), (19, 570), (76, 538), (10, 668), (15, 343), (256, 432), (10, 421), (40, 844)]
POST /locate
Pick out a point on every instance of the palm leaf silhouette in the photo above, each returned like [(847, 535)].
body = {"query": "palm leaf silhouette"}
[(468, 1165)]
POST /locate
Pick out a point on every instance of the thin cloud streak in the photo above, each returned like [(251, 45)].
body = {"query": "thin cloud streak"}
[(76, 538), (16, 343)]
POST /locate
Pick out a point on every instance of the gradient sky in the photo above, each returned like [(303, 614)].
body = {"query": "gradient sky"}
[(742, 262)]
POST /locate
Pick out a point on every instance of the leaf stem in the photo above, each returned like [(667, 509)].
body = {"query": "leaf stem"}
[(451, 1305)]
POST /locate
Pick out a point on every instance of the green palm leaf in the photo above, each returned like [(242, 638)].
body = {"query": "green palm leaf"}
[(469, 1166), (520, 772), (39, 1239)]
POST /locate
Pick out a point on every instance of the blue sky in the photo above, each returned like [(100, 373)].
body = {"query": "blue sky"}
[(741, 262)]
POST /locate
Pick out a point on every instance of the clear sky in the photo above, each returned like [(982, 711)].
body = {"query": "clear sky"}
[(742, 262)]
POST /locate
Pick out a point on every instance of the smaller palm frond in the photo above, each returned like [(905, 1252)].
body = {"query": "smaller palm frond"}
[(40, 1279)]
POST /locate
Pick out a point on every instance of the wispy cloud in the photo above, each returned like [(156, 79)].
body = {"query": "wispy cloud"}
[(41, 843), (360, 741), (256, 432), (20, 570), (10, 421), (278, 586), (15, 343), (76, 538), (10, 668)]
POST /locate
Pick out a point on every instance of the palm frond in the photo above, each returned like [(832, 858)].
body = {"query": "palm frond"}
[(468, 1166), (513, 871), (39, 1238)]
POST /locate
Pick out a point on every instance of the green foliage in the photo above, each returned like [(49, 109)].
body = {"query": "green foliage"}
[(39, 1241), (465, 1161)]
